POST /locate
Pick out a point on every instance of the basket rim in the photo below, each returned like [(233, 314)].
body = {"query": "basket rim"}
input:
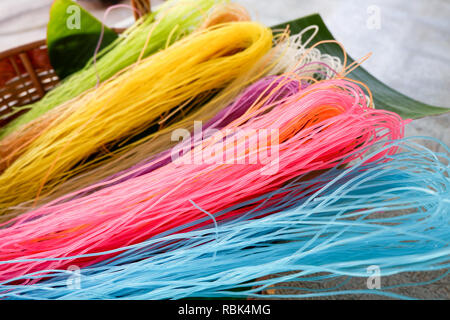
[(36, 44), (143, 4), (22, 48)]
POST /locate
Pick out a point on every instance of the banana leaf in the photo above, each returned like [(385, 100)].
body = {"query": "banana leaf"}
[(72, 36), (384, 97)]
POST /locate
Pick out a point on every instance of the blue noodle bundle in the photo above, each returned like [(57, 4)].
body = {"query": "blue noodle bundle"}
[(392, 212)]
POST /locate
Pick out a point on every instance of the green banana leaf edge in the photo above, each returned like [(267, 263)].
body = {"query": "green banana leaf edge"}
[(383, 96), (72, 36)]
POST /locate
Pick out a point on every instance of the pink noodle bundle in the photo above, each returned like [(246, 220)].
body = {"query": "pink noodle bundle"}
[(276, 142)]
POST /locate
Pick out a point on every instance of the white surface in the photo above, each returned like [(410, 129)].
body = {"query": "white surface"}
[(410, 50), (413, 41)]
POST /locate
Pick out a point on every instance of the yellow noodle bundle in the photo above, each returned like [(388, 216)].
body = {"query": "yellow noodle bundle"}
[(15, 143), (131, 102), (152, 144)]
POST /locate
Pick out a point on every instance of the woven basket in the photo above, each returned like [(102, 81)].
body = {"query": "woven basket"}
[(26, 73)]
